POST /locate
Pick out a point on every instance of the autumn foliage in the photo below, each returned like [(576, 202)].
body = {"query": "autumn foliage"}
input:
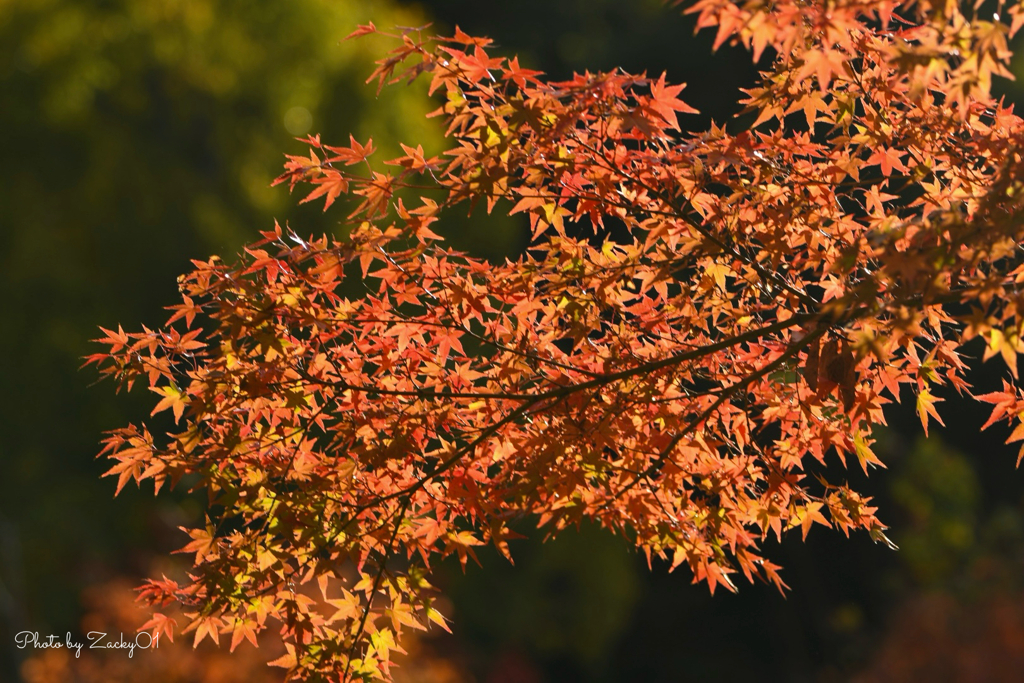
[(701, 323)]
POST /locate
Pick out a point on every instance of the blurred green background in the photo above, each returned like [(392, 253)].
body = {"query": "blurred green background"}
[(139, 134)]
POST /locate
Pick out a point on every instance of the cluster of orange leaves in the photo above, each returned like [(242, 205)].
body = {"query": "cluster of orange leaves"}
[(702, 322)]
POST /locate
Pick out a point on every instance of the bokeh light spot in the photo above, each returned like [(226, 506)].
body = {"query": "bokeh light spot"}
[(298, 120)]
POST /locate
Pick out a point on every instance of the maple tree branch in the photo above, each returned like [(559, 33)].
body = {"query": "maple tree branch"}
[(563, 392), (399, 517), (600, 380), (662, 458)]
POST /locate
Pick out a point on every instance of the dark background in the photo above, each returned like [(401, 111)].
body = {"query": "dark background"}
[(138, 134)]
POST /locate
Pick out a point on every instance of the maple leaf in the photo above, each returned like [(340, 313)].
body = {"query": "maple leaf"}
[(888, 159), (158, 592), (824, 64), (437, 618), (362, 31), (173, 398), (203, 542), (126, 470), (244, 629), (286, 661), (1007, 346), (330, 184), (665, 103), (161, 625), (116, 340), (187, 310), (925, 407), (355, 153), (205, 626), (461, 36), (874, 199), (1003, 400), (477, 66), (519, 75), (807, 517)]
